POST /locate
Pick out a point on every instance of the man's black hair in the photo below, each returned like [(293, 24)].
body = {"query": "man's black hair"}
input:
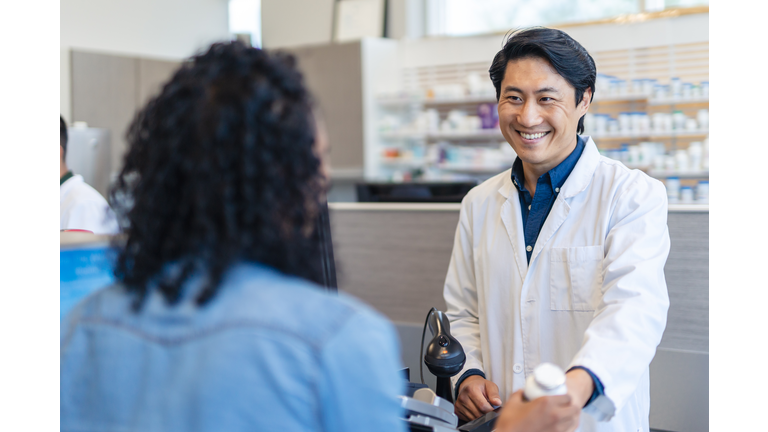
[(221, 168), (569, 59), (63, 138)]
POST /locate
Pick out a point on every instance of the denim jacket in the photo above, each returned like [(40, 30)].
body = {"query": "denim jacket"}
[(268, 353)]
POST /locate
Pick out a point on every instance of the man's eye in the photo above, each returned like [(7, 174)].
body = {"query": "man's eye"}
[(514, 99), (546, 99)]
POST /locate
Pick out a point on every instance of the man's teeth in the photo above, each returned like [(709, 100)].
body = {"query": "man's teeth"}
[(532, 136)]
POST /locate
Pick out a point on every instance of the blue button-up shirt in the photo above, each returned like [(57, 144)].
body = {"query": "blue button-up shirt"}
[(535, 211)]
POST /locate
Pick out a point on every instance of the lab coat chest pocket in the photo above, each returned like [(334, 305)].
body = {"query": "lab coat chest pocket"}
[(575, 278)]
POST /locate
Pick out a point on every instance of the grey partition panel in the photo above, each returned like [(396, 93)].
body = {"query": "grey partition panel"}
[(334, 75), (680, 391), (687, 274), (395, 261), (680, 370), (151, 75), (104, 95), (107, 90)]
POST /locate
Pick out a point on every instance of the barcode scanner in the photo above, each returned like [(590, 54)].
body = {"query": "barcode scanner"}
[(444, 357)]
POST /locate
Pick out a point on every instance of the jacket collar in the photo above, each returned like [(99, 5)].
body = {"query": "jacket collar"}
[(584, 170), (577, 181), (65, 177)]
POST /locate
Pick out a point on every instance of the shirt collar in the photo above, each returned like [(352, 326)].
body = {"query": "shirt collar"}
[(66, 177), (560, 173), (557, 175)]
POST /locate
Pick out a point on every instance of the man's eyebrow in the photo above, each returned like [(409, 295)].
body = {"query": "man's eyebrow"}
[(546, 90), (541, 90)]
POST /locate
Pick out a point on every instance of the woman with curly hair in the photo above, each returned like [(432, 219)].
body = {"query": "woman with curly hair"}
[(215, 323)]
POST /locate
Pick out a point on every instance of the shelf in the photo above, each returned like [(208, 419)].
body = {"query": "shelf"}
[(403, 135), (624, 98), (472, 169), (401, 101), (678, 174), (464, 100), (432, 136), (448, 167), (683, 134), (680, 101), (402, 163), (480, 134), (650, 100)]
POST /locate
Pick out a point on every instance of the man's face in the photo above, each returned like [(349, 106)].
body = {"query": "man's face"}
[(538, 115)]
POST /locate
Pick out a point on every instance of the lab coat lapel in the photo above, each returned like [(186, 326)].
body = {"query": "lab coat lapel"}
[(513, 222), (577, 182), (554, 220)]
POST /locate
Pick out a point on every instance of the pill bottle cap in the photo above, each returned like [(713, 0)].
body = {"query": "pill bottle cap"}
[(548, 376)]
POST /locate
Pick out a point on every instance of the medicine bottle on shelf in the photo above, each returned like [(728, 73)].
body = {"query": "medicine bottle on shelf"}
[(546, 380)]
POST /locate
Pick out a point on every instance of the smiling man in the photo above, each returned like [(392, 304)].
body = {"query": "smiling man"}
[(560, 259)]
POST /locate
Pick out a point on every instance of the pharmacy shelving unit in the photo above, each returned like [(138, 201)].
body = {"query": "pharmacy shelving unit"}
[(672, 140), (416, 160), (687, 61), (416, 91)]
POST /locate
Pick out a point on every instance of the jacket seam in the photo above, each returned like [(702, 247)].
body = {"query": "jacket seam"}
[(199, 334)]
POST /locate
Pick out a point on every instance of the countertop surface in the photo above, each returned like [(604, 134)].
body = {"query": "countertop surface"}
[(673, 208)]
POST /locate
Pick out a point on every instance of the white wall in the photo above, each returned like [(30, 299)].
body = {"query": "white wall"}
[(293, 23), (165, 29), (601, 37)]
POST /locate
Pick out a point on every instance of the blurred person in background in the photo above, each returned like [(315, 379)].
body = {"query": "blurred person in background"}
[(82, 207)]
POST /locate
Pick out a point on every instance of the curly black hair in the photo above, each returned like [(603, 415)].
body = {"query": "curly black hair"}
[(221, 167)]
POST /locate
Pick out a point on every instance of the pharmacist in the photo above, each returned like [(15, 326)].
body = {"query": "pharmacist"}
[(561, 258), (81, 206)]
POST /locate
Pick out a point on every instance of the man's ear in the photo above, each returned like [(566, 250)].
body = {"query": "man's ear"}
[(61, 153), (586, 99)]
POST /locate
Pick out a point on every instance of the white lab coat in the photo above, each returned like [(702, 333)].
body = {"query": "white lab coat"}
[(593, 295), (82, 207)]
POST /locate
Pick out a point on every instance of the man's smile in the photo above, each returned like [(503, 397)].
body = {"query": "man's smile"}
[(532, 137)]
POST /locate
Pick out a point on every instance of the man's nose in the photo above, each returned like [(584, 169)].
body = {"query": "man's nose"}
[(529, 115)]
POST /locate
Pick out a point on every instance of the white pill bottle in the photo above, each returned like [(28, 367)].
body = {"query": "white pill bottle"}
[(546, 380)]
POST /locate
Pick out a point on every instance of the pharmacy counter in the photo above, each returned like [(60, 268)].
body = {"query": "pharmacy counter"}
[(394, 256)]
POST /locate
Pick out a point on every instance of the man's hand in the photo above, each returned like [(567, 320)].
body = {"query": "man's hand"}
[(580, 387), (544, 414), (476, 397)]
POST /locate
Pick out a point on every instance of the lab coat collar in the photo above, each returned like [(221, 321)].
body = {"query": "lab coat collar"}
[(583, 172), (65, 177), (577, 181), (507, 188)]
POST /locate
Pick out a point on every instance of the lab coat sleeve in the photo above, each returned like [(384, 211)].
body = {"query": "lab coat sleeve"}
[(460, 293), (361, 377), (94, 216), (621, 340)]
